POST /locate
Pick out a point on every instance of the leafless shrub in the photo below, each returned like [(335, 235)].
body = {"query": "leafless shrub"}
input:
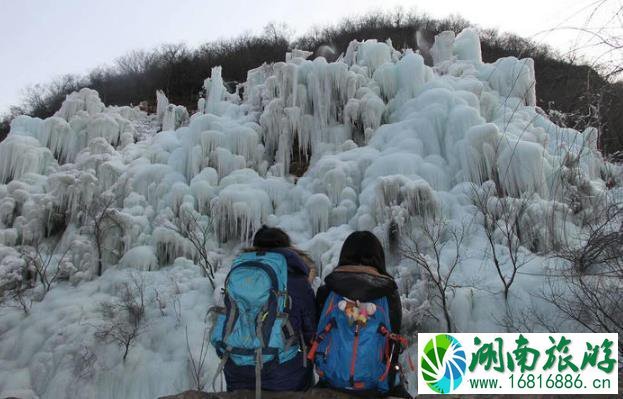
[(598, 43), (18, 298), (197, 363), (175, 302), (189, 226), (602, 243), (593, 301), (41, 262), (16, 279), (427, 245), (600, 33), (100, 221), (161, 302), (414, 312), (590, 293), (177, 309), (528, 318), (84, 361), (123, 318), (502, 226)]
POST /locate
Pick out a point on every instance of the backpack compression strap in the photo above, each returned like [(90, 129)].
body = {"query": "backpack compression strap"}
[(318, 339), (392, 341), (396, 338)]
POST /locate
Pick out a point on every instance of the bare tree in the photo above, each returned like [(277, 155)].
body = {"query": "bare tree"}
[(427, 249), (42, 263), (593, 301), (38, 264), (135, 62), (177, 309), (123, 318), (503, 219), (196, 365), (176, 304), (602, 242), (590, 293), (529, 318), (100, 220), (160, 301), (17, 298), (277, 31), (600, 33), (84, 361), (188, 226)]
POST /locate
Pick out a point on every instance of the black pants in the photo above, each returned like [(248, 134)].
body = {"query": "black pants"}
[(287, 376)]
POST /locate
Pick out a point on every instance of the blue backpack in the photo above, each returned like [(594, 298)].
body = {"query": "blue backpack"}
[(253, 329), (353, 349)]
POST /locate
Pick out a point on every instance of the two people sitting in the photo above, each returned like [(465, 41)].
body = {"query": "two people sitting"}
[(272, 329)]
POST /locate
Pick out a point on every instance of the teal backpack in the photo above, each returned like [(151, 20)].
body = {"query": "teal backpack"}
[(253, 329)]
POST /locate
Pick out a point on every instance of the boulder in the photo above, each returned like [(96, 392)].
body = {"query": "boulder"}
[(313, 393)]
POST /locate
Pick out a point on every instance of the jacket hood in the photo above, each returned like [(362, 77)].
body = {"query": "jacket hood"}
[(360, 283), (295, 263)]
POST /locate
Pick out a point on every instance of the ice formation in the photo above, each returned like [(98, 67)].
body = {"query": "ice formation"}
[(385, 141), (174, 117)]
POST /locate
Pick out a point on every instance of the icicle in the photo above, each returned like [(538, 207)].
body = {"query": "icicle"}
[(239, 211), (215, 91), (104, 126), (162, 103), (373, 54), (284, 153), (225, 162), (467, 46), (522, 168), (174, 117), (211, 140), (243, 141), (201, 105), (84, 100), (351, 51), (20, 155), (371, 108), (335, 182), (289, 84), (142, 258), (442, 49), (170, 246), (270, 120), (318, 208), (415, 196)]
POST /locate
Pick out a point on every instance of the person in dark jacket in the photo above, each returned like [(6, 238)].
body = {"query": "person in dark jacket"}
[(296, 374), (361, 275)]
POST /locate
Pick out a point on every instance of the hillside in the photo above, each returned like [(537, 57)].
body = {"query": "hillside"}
[(117, 227), (577, 91)]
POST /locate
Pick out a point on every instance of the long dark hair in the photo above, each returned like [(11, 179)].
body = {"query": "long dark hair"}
[(271, 237), (363, 248)]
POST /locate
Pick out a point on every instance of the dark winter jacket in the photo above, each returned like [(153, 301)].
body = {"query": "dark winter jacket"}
[(362, 283), (303, 313), (291, 375)]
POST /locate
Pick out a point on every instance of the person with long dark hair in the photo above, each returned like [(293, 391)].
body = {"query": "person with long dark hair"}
[(360, 282)]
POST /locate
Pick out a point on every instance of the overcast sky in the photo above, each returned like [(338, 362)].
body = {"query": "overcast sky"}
[(41, 39)]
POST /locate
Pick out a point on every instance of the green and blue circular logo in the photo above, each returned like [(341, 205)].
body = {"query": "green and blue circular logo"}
[(443, 363)]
